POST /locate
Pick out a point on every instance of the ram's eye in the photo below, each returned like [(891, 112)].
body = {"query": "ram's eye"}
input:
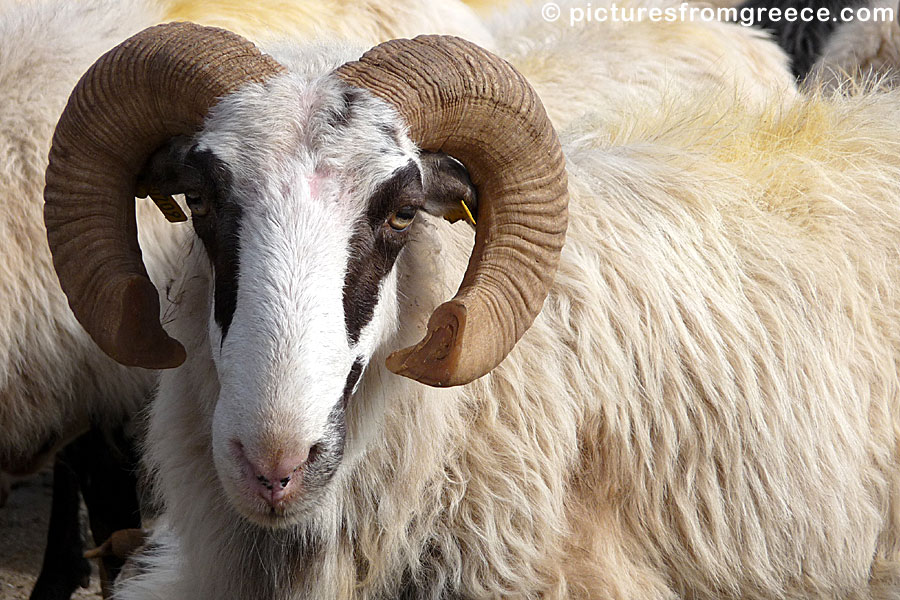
[(199, 207), (403, 218)]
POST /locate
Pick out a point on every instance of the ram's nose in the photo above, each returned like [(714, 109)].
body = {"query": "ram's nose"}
[(276, 477)]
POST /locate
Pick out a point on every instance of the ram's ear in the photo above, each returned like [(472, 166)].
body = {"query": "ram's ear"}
[(167, 171), (175, 168), (448, 191)]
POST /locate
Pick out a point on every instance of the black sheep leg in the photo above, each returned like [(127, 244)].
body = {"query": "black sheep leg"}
[(109, 487), (64, 569), (103, 466)]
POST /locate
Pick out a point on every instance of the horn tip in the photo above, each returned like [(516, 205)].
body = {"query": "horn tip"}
[(435, 360), (133, 336), (165, 353)]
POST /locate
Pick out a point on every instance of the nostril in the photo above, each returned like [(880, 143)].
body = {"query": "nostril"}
[(276, 476)]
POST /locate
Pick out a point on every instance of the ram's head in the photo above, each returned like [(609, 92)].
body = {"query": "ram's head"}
[(303, 193)]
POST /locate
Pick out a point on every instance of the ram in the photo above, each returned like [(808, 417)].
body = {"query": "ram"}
[(702, 403), (54, 382), (45, 352)]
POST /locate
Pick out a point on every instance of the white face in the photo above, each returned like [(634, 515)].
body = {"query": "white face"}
[(302, 213)]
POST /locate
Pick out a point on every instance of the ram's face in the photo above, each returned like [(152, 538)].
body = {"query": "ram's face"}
[(302, 196)]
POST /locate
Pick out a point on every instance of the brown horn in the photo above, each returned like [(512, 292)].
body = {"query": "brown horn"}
[(153, 86), (459, 99)]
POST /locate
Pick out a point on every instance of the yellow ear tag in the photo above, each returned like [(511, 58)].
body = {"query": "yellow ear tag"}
[(469, 216), (169, 208), (458, 215)]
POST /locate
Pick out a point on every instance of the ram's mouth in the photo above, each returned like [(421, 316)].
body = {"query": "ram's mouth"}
[(272, 517), (255, 509), (259, 513), (274, 503)]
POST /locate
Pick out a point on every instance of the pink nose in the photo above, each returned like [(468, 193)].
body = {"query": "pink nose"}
[(272, 479)]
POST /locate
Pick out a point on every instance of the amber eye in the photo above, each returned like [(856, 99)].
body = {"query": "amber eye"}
[(403, 218)]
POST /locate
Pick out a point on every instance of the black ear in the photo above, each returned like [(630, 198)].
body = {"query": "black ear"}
[(177, 167), (448, 190), (167, 170)]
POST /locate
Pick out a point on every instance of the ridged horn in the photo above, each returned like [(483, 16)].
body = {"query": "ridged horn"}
[(157, 84), (459, 99)]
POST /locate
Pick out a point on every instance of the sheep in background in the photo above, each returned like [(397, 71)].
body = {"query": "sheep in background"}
[(589, 66), (861, 50), (54, 382), (706, 406), (366, 22), (832, 53)]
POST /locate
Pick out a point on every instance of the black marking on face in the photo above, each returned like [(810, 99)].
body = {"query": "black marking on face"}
[(343, 112), (178, 167), (355, 373), (227, 265), (374, 246), (326, 454), (219, 230), (390, 130)]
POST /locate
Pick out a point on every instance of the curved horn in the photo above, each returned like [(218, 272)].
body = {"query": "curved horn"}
[(459, 99), (155, 85)]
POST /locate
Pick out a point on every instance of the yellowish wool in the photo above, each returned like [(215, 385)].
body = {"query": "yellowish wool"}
[(367, 22)]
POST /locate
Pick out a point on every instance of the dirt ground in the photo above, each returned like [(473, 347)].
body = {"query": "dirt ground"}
[(23, 529)]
